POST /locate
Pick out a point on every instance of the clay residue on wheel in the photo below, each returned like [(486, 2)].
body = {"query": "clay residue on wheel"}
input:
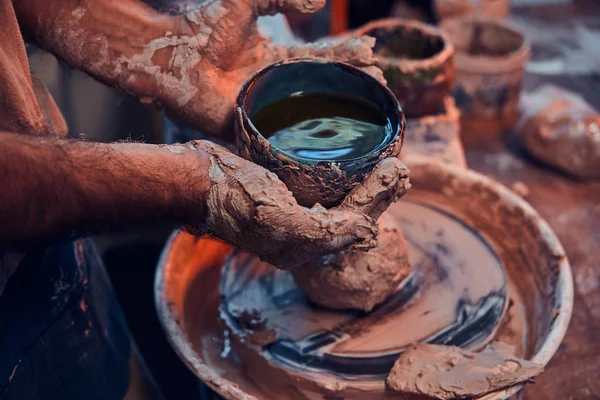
[(448, 372), (531, 251), (255, 327), (355, 279)]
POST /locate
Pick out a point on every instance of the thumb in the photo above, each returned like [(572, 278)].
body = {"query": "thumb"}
[(388, 181), (270, 7), (359, 232)]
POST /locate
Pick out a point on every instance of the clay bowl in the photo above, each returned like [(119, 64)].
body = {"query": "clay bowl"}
[(312, 181), (490, 65), (416, 60), (188, 278)]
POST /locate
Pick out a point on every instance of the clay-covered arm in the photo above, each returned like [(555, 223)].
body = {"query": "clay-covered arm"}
[(100, 37), (55, 187), (192, 64)]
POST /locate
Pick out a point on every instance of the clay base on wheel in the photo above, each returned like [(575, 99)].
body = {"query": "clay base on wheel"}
[(456, 294), (355, 279)]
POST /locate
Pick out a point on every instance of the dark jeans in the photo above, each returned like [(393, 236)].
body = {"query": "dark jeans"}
[(62, 333)]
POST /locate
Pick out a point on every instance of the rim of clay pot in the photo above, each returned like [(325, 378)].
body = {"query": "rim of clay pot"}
[(487, 64), (168, 299), (397, 135), (408, 65)]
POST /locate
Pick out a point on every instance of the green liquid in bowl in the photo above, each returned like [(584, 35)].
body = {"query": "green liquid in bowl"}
[(324, 126)]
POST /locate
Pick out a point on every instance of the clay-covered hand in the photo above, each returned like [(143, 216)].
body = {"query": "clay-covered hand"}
[(218, 47), (252, 209)]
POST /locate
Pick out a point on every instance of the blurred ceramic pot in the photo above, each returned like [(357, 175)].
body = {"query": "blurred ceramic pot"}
[(490, 66), (417, 61)]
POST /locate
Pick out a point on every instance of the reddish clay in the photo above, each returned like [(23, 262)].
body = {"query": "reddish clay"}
[(416, 60)]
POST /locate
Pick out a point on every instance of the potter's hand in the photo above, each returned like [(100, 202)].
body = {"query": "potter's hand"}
[(193, 65), (251, 208), (218, 47)]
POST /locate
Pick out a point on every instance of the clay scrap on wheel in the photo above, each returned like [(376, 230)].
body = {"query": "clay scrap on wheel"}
[(449, 372)]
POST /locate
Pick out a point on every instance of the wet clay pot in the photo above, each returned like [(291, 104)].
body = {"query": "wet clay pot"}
[(314, 181), (490, 65), (445, 9), (416, 60)]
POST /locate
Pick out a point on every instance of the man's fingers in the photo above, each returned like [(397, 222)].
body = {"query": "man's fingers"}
[(347, 229), (270, 7), (376, 73), (357, 51), (317, 232), (388, 181)]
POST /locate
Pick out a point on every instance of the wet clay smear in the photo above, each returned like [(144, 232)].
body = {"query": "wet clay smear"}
[(448, 372)]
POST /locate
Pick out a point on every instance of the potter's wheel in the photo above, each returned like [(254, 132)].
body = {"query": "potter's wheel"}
[(465, 232), (456, 296)]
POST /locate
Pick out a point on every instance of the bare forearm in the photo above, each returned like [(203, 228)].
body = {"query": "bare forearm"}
[(105, 38), (53, 187)]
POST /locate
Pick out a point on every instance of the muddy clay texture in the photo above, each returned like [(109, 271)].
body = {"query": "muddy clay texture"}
[(565, 135), (448, 372), (326, 183), (244, 195), (445, 9), (535, 322), (250, 207), (490, 65), (360, 280), (355, 279), (416, 60), (192, 63), (437, 135), (457, 293)]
